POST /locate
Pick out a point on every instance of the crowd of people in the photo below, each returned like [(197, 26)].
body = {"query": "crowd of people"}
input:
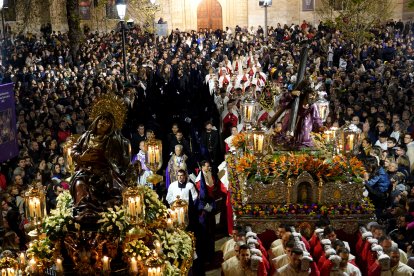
[(193, 83)]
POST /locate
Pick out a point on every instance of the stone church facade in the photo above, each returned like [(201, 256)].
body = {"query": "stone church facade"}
[(181, 14)]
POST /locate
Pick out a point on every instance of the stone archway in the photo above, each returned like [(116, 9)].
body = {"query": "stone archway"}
[(209, 15)]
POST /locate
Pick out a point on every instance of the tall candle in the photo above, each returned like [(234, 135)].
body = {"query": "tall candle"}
[(260, 145), (157, 247), (173, 215), (131, 207), (157, 154), (3, 272), (150, 155), (32, 264), (169, 223), (22, 259), (105, 265), (351, 142), (59, 266), (254, 141), (180, 216), (134, 265)]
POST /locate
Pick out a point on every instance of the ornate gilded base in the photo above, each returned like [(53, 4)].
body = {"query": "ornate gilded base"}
[(155, 179), (87, 249)]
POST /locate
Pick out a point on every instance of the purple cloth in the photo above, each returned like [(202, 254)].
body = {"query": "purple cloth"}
[(309, 118), (167, 178)]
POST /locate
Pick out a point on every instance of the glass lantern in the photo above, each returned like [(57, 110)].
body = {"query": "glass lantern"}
[(179, 213), (349, 139), (259, 143), (154, 265), (133, 201), (323, 106), (153, 160), (249, 111), (35, 202)]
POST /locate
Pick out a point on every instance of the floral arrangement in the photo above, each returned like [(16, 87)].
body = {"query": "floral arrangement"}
[(171, 270), (285, 166), (8, 262), (56, 224), (137, 248), (315, 210), (246, 163), (239, 141), (154, 208), (113, 221), (42, 251), (177, 245)]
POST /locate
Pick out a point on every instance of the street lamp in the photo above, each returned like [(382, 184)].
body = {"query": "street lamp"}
[(266, 4), (153, 20), (121, 7)]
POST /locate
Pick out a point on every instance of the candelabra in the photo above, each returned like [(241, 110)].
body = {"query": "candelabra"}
[(133, 200), (35, 210), (249, 110), (153, 160), (259, 144), (349, 137), (179, 213), (154, 265)]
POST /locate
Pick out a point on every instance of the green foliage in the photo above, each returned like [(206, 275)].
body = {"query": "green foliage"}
[(355, 18)]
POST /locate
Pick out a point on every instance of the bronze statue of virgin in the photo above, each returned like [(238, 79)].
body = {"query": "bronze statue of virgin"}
[(102, 156)]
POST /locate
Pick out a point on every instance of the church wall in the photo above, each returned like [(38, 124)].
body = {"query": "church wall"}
[(182, 14)]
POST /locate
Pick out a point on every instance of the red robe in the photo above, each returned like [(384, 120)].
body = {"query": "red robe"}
[(307, 245), (359, 245), (314, 269), (312, 243), (374, 269), (262, 271), (318, 251), (228, 121)]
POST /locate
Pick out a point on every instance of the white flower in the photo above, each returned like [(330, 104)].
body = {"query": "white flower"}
[(120, 226)]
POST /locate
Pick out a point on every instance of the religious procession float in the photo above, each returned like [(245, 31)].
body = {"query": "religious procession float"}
[(105, 224), (299, 171)]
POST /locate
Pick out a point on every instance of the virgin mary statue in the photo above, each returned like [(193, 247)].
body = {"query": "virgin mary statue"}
[(102, 156)]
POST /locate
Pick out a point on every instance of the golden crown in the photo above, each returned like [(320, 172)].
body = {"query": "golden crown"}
[(113, 104)]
